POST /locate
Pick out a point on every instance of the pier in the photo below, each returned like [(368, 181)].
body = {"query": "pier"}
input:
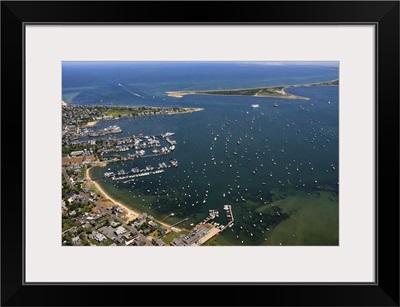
[(229, 214), (159, 171), (171, 214), (94, 133), (216, 229), (136, 172), (212, 215), (179, 222), (136, 143)]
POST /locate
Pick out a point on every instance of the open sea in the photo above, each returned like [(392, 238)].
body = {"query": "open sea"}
[(276, 165)]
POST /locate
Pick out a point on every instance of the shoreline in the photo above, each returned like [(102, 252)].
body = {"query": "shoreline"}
[(188, 110), (185, 110), (284, 96), (281, 93), (131, 214), (91, 124)]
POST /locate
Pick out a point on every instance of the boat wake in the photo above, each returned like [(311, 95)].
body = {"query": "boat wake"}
[(130, 92)]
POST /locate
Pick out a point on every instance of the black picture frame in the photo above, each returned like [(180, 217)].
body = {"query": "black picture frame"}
[(383, 14)]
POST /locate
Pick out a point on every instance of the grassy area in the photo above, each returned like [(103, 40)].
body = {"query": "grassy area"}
[(172, 235), (212, 242), (67, 149), (66, 188), (118, 112), (66, 224), (328, 83), (266, 91), (85, 241)]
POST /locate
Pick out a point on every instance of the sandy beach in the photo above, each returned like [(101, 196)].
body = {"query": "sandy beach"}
[(281, 92), (180, 94), (186, 110), (131, 214), (91, 124), (190, 110)]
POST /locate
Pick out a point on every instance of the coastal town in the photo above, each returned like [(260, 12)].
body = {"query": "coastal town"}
[(89, 216)]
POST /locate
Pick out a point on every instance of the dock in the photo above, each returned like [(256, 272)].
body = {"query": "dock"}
[(218, 229), (136, 172), (229, 214), (179, 222), (171, 214)]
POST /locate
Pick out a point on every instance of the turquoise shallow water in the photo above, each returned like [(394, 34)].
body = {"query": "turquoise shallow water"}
[(282, 176)]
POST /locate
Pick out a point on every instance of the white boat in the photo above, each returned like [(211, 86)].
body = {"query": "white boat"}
[(168, 133), (255, 105)]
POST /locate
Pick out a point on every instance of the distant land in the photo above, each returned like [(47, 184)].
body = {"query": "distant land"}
[(270, 91)]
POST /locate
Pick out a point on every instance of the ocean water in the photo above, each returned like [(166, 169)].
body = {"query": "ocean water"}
[(281, 178)]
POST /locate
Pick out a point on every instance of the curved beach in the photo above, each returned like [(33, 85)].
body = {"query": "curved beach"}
[(131, 214)]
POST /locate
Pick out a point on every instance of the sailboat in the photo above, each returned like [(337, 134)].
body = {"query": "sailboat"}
[(275, 104)]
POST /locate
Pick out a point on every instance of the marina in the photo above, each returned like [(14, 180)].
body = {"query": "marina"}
[(85, 132)]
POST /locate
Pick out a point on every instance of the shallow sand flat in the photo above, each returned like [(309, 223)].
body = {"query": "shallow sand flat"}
[(313, 221)]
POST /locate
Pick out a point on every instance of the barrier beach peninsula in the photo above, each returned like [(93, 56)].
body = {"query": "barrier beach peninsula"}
[(270, 91)]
